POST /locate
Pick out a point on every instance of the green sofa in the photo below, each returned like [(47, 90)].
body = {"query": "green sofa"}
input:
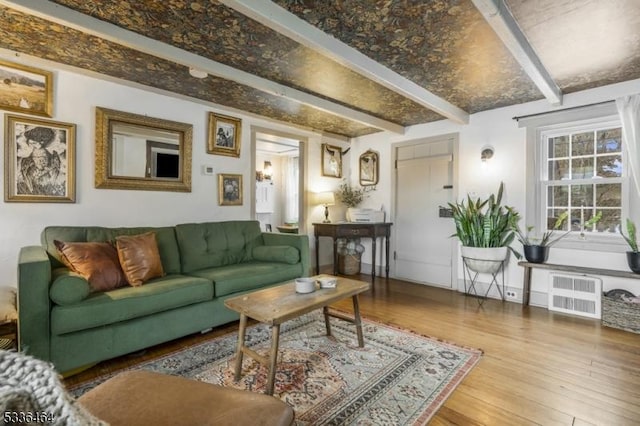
[(204, 263)]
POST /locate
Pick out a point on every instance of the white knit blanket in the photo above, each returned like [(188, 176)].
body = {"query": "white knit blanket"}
[(31, 390)]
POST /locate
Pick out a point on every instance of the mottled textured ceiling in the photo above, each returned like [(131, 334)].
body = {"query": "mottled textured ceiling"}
[(443, 46)]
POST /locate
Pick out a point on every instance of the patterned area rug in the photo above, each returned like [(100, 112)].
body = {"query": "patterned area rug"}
[(398, 378)]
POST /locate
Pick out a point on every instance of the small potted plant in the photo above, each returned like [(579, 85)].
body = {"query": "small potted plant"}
[(633, 256), (536, 250), (485, 229), (350, 197)]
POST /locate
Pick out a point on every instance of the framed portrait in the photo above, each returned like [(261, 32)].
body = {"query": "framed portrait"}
[(224, 135), (331, 161), (369, 168), (26, 89), (39, 160), (229, 190)]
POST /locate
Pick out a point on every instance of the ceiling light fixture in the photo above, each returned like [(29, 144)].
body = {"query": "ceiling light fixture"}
[(194, 72)]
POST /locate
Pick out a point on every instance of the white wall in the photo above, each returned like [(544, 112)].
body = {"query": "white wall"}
[(496, 128), (75, 99)]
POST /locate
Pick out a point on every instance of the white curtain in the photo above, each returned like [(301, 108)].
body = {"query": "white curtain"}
[(629, 111), (291, 189)]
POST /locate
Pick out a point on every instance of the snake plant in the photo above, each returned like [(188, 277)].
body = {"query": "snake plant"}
[(630, 238), (485, 223)]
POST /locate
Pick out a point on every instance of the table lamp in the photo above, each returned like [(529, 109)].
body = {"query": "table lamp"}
[(326, 199)]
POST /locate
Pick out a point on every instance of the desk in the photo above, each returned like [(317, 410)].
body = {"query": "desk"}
[(528, 266), (353, 230)]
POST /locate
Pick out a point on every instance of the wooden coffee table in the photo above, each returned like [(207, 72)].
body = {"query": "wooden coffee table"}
[(278, 304)]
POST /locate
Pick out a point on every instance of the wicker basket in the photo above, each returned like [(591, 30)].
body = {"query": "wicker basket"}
[(617, 313), (349, 264)]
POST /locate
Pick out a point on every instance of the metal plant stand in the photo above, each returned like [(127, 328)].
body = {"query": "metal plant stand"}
[(472, 277)]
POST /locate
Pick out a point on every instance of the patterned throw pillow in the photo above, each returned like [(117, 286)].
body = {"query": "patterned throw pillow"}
[(139, 257), (96, 262)]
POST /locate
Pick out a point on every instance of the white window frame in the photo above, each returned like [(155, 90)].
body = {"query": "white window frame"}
[(539, 128)]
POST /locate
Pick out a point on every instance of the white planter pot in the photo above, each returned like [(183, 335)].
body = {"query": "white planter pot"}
[(484, 259)]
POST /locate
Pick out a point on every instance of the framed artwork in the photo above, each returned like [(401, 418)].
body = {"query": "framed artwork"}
[(39, 160), (331, 161), (26, 89), (229, 190), (224, 135), (369, 168)]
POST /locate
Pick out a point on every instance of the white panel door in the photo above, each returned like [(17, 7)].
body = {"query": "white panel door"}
[(423, 248)]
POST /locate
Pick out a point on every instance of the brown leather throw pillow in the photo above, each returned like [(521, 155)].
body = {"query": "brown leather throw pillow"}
[(139, 257), (96, 262)]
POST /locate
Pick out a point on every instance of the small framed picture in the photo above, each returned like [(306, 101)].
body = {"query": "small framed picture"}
[(224, 135), (331, 161), (229, 190), (369, 168), (26, 89), (39, 160)]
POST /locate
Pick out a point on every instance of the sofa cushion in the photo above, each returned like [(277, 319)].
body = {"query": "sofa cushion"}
[(68, 287), (285, 254), (248, 276), (97, 262), (165, 236), (158, 295), (139, 257), (214, 244)]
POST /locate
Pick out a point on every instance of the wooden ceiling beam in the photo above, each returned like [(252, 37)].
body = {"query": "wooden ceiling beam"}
[(286, 23), (499, 17), (89, 25)]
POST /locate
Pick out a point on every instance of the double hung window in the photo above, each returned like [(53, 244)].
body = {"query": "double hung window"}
[(583, 174)]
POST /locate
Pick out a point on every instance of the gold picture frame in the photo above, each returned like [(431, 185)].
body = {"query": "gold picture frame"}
[(224, 135), (229, 189), (369, 168), (39, 160), (127, 146), (331, 160), (26, 89)]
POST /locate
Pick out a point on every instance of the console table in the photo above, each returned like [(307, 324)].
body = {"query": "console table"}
[(528, 266), (353, 230)]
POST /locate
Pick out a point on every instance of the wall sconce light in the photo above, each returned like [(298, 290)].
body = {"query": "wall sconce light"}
[(267, 170), (326, 199), (486, 154)]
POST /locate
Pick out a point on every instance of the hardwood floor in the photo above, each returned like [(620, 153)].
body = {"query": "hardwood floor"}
[(538, 367)]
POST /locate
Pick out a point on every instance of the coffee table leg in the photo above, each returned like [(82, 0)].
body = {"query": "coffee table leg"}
[(325, 310), (239, 352), (357, 321), (273, 358)]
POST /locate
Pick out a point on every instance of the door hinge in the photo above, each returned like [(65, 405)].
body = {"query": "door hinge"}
[(394, 255)]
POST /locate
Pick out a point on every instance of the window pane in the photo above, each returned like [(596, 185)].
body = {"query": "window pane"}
[(558, 196), (610, 220), (609, 166), (558, 169), (582, 144), (579, 216), (581, 195), (559, 147), (582, 168), (609, 195), (609, 141)]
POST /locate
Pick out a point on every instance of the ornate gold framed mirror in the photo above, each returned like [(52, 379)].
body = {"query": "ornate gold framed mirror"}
[(369, 168), (142, 153)]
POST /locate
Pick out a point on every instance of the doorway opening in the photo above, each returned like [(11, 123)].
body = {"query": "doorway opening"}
[(279, 184)]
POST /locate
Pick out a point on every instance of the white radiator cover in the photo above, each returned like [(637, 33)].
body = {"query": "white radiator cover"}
[(575, 294)]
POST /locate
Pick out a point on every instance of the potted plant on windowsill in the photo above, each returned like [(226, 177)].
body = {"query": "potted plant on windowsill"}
[(485, 229), (633, 256)]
